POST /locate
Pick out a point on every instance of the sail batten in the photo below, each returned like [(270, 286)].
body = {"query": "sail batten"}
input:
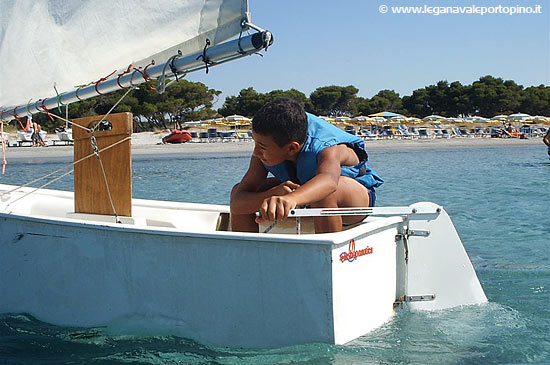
[(53, 42)]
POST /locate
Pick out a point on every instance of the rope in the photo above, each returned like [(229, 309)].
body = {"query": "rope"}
[(14, 116), (40, 187), (96, 83), (203, 55), (128, 70), (46, 110), (69, 122), (270, 227), (145, 75), (76, 92), (93, 143), (298, 224), (112, 108), (59, 103), (96, 152), (4, 162), (162, 79), (56, 171)]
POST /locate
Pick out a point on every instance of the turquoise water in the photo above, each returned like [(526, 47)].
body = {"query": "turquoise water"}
[(498, 198)]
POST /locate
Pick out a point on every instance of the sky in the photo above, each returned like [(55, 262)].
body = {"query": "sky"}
[(353, 42)]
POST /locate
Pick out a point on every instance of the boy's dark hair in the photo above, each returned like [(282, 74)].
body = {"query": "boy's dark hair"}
[(283, 119)]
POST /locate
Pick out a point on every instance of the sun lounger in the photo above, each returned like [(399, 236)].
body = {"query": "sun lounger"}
[(423, 133), (366, 134)]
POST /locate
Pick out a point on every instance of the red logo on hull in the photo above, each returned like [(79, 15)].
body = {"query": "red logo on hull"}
[(352, 254)]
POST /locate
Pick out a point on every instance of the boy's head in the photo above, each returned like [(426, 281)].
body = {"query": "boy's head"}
[(284, 120)]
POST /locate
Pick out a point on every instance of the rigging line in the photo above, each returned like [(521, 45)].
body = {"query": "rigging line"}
[(13, 115), (162, 79), (96, 152), (59, 102), (270, 227), (112, 108), (96, 83), (64, 167), (144, 75), (3, 142), (204, 57), (46, 110), (128, 70), (68, 121), (38, 188)]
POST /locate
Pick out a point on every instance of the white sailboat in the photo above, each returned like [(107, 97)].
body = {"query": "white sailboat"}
[(178, 265)]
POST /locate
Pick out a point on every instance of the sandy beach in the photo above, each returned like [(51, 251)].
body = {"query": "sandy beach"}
[(149, 144)]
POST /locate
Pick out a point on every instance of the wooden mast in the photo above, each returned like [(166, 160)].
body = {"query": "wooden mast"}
[(90, 191)]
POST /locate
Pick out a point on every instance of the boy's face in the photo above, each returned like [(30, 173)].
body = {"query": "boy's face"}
[(270, 153)]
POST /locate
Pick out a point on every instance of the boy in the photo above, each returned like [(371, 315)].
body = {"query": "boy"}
[(312, 161)]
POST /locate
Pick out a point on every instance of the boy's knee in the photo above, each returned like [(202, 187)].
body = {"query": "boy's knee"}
[(232, 195), (330, 201)]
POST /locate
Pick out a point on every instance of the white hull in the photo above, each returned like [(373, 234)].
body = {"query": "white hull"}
[(169, 266)]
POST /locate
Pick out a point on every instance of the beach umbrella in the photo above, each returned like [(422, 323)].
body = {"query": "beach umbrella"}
[(362, 119), (328, 119), (385, 114), (540, 118), (189, 124), (433, 117), (342, 119), (398, 119), (518, 116), (237, 118), (414, 120), (475, 119)]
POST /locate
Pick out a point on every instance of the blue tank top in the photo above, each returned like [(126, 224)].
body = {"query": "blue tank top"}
[(320, 135)]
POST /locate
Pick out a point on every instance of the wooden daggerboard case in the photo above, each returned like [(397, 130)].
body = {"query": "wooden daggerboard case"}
[(90, 191)]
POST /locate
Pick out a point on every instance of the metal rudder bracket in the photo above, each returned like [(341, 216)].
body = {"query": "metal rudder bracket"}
[(413, 298)]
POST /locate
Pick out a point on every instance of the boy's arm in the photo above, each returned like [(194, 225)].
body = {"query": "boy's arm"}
[(247, 198), (319, 187)]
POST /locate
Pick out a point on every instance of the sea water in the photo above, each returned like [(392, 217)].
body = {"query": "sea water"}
[(498, 198)]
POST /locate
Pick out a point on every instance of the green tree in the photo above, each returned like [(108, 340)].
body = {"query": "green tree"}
[(458, 101), (185, 101), (535, 100), (418, 104), (385, 100), (334, 100), (247, 103), (491, 96)]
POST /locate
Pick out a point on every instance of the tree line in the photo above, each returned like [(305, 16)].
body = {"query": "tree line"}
[(486, 97), (186, 101)]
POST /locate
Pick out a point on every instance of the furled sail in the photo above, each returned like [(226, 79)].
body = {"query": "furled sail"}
[(69, 43)]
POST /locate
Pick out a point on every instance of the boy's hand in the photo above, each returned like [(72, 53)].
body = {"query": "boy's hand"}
[(276, 208), (284, 188)]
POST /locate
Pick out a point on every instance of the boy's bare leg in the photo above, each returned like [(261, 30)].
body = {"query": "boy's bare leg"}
[(246, 222), (349, 193)]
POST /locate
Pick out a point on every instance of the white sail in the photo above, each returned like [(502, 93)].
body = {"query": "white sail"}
[(68, 43)]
